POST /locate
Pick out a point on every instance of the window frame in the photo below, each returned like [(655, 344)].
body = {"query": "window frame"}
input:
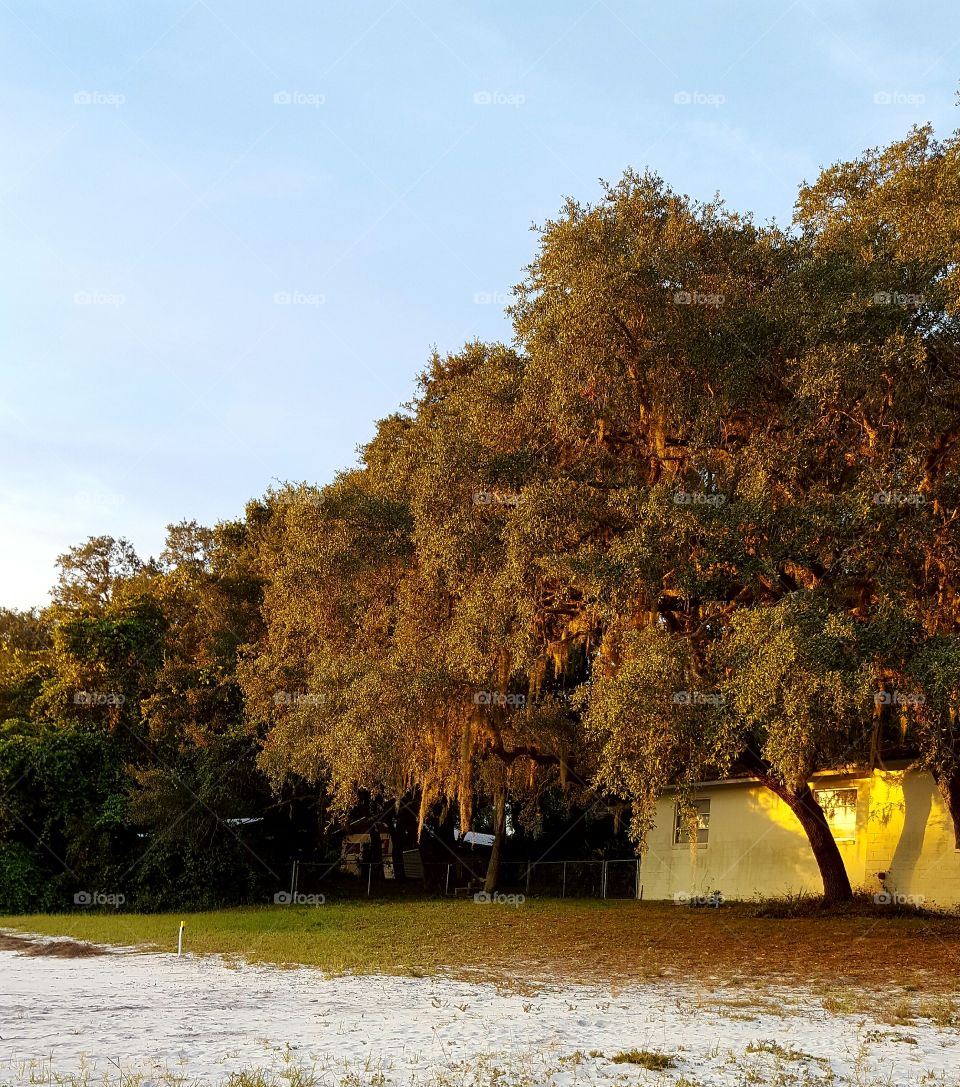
[(681, 836), (837, 835)]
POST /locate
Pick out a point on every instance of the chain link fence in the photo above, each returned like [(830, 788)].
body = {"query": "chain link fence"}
[(572, 879), (541, 879)]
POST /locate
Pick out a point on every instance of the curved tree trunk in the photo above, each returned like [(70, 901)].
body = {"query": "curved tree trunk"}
[(949, 787), (499, 833), (804, 805)]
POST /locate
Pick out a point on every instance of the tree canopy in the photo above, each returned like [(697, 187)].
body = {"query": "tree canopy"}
[(700, 518)]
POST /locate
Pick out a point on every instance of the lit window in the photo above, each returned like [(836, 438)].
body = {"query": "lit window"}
[(681, 825), (840, 808)]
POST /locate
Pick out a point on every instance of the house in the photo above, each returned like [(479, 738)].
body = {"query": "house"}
[(355, 854), (474, 838), (892, 827), (450, 865)]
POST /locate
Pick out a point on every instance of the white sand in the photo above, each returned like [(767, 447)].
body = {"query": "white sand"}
[(205, 1018)]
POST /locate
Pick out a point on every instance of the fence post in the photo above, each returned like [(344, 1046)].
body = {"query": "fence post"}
[(529, 869), (563, 890), (603, 879), (637, 886), (369, 877), (293, 881), (446, 889)]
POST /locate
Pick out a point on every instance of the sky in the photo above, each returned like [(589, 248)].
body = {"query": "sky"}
[(233, 232)]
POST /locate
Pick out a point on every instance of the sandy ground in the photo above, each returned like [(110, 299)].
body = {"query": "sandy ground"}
[(129, 1012)]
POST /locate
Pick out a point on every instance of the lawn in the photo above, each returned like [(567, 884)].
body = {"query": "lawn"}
[(622, 942)]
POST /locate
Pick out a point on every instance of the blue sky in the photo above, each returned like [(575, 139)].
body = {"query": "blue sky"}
[(233, 231)]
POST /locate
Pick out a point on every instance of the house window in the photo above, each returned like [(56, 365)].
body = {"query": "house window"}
[(681, 826), (840, 808)]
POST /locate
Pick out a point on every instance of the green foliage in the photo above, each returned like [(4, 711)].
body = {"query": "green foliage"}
[(645, 1058), (719, 483), (129, 759), (702, 516), (21, 884)]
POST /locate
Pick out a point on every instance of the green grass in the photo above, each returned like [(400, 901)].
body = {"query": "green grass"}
[(645, 1058), (574, 939), (777, 1050)]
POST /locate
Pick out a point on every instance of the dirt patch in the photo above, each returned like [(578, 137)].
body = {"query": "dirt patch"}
[(55, 949)]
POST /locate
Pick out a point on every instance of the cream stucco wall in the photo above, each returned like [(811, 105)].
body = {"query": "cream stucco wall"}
[(757, 846)]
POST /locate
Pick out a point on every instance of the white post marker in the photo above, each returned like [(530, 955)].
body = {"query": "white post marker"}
[(180, 938)]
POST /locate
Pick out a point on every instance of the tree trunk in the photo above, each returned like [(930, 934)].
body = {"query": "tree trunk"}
[(804, 805), (950, 791), (499, 832), (396, 845), (376, 855)]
